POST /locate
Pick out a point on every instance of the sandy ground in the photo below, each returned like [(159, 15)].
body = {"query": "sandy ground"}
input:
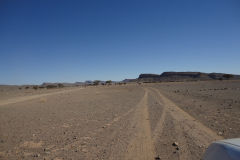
[(172, 121)]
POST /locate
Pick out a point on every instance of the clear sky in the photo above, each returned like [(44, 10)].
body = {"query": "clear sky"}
[(68, 41)]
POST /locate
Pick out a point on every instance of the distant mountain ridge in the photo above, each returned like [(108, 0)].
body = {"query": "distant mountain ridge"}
[(185, 76), (164, 77)]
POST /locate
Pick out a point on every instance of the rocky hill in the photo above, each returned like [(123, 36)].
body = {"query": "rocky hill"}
[(185, 76)]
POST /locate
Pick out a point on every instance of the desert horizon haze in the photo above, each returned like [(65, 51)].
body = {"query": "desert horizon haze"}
[(51, 41)]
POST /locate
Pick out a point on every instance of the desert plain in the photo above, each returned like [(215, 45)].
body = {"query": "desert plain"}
[(167, 121)]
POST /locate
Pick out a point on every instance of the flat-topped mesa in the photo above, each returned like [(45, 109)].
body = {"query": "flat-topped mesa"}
[(129, 80), (149, 76), (185, 76)]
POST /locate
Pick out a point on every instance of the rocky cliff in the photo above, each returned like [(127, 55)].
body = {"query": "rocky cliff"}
[(185, 76)]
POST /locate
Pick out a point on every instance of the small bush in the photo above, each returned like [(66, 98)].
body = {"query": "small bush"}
[(35, 87), (109, 82), (50, 86), (228, 76), (60, 85), (96, 82), (26, 87)]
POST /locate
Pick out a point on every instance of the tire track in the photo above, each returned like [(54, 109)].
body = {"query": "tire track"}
[(160, 124), (189, 131), (175, 129), (141, 147), (184, 150), (26, 98)]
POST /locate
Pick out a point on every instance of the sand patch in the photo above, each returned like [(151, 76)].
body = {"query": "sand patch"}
[(65, 125), (31, 144)]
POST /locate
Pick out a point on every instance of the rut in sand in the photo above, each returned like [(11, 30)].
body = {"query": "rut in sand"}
[(174, 124), (141, 147)]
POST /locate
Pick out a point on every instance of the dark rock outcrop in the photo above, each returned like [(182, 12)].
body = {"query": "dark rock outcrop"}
[(129, 80), (185, 76)]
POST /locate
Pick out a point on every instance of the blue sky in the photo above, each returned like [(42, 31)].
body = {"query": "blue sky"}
[(68, 41)]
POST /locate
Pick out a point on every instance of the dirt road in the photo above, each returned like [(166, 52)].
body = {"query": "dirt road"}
[(182, 133), (119, 122), (25, 98)]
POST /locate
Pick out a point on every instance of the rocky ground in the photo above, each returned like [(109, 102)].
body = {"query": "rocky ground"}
[(149, 121), (215, 103)]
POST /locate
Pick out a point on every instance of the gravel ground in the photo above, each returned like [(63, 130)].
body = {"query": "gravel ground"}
[(165, 120)]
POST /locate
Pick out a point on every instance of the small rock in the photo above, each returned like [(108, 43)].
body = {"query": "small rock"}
[(84, 150), (220, 133), (177, 148), (36, 155), (157, 158), (175, 144)]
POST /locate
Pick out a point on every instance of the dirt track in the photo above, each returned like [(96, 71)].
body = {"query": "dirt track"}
[(118, 122), (25, 98)]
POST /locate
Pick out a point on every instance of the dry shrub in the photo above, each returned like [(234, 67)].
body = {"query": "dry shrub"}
[(51, 86), (35, 87)]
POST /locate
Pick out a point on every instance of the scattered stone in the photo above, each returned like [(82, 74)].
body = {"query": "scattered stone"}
[(36, 155), (220, 133), (175, 144), (84, 150)]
